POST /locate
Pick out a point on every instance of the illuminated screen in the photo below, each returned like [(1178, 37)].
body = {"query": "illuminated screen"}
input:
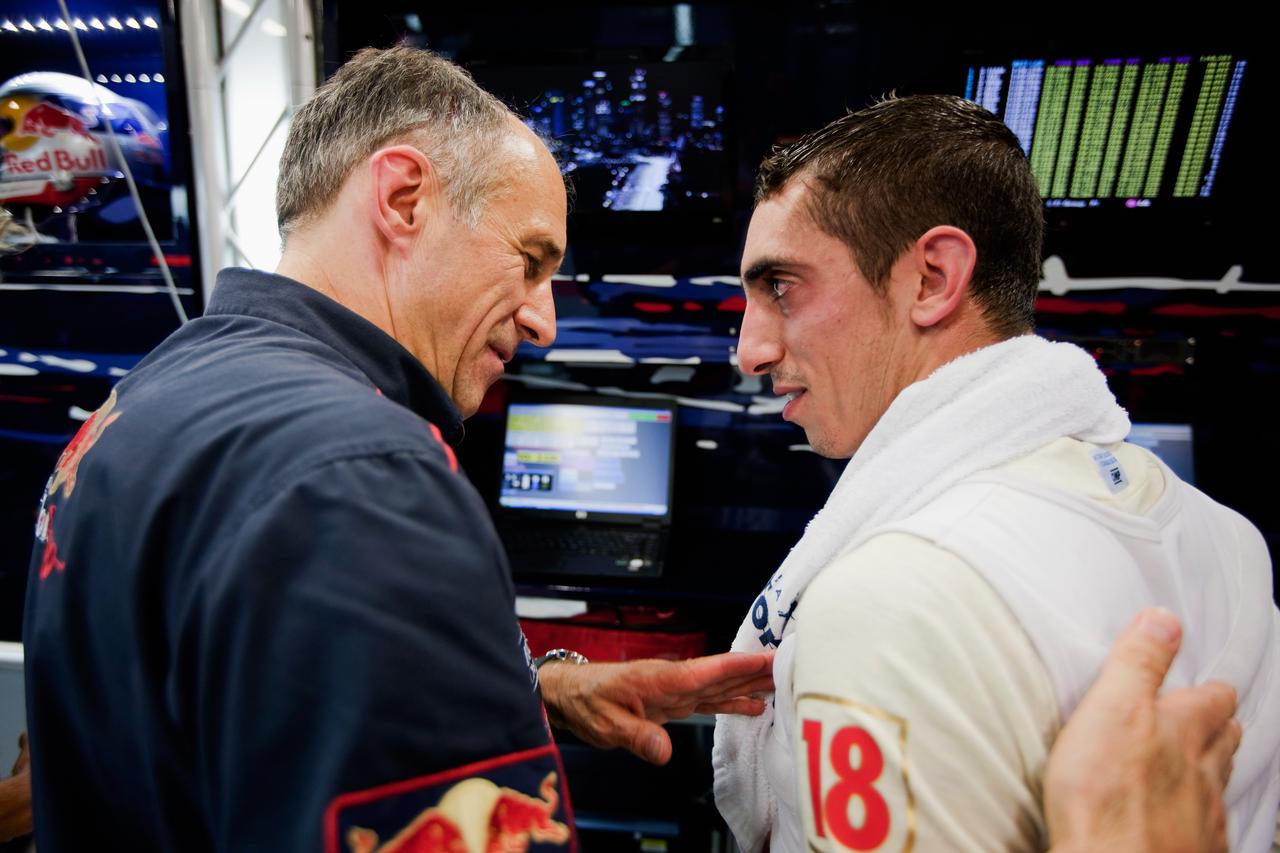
[(600, 459), (637, 137), (1117, 130)]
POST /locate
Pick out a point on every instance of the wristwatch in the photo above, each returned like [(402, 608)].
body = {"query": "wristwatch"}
[(559, 655)]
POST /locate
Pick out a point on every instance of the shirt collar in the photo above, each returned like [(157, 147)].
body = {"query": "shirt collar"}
[(389, 366)]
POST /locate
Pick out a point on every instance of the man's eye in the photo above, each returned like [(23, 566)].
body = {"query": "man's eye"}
[(778, 288), (531, 266)]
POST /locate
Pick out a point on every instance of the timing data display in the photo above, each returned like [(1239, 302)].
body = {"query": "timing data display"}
[(588, 458), (1117, 129)]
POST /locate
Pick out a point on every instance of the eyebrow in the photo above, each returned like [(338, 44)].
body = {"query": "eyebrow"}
[(550, 250), (764, 265)]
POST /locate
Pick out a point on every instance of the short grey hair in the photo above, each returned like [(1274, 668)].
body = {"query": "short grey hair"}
[(393, 96)]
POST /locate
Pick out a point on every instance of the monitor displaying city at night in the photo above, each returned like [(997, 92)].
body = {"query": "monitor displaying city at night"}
[(635, 137)]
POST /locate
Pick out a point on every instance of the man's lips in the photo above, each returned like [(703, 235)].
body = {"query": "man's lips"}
[(796, 393)]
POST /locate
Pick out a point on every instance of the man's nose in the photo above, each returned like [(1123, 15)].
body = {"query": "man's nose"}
[(758, 347), (536, 317)]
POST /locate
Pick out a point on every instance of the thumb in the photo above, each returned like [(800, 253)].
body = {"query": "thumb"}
[(648, 740), (1142, 653)]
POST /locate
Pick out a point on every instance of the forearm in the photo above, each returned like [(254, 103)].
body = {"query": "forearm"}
[(553, 680)]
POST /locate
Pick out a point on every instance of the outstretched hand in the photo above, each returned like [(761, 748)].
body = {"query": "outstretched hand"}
[(1135, 771), (625, 704)]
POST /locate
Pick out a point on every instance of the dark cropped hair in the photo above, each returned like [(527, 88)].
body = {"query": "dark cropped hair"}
[(882, 176)]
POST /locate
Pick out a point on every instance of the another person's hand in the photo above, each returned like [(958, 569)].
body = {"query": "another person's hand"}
[(625, 704), (15, 796), (1133, 771)]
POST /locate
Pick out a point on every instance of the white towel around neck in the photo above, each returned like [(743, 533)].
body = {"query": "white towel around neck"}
[(981, 410)]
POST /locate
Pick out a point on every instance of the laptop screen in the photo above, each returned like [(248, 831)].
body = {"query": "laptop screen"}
[(588, 458)]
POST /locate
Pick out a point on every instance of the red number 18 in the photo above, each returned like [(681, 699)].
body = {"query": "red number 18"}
[(833, 812)]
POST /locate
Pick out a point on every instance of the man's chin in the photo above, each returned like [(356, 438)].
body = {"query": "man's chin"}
[(470, 400), (828, 446)]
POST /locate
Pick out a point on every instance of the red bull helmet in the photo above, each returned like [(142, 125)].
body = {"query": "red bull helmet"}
[(53, 149)]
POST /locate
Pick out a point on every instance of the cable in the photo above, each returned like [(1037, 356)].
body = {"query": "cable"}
[(105, 113)]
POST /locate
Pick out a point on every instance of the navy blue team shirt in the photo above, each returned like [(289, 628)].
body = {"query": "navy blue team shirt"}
[(266, 610)]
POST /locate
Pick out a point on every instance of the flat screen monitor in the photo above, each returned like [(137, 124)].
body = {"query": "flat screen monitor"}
[(588, 458), (1171, 442), (1120, 130), (640, 137)]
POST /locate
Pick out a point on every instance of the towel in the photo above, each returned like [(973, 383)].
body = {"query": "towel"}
[(979, 411)]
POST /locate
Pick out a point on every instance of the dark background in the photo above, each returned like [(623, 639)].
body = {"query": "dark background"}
[(1196, 356), (1173, 355)]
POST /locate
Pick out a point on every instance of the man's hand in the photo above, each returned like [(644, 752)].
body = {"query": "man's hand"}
[(15, 796), (1135, 772), (625, 704)]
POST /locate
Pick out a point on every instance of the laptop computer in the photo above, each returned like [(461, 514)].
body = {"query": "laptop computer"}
[(587, 486)]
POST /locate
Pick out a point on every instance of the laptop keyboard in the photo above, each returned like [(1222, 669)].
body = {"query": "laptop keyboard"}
[(585, 540)]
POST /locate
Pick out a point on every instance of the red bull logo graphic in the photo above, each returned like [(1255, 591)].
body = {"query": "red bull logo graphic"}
[(475, 816), (47, 120), (57, 160), (64, 480), (64, 475), (49, 561)]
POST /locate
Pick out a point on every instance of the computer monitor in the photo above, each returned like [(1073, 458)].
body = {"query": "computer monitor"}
[(1118, 129), (1171, 442), (640, 137), (588, 459)]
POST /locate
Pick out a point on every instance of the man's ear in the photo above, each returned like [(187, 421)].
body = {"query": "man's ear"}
[(944, 258), (405, 191)]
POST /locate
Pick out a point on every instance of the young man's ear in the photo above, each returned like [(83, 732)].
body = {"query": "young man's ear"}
[(404, 188), (944, 258)]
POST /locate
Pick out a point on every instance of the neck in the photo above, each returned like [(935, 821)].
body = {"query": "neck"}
[(310, 258), (963, 332)]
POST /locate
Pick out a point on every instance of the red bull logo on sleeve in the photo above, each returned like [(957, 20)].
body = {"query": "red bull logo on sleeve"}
[(64, 474), (482, 808), (63, 481)]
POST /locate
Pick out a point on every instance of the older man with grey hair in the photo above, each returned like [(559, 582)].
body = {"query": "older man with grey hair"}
[(265, 602), (267, 611)]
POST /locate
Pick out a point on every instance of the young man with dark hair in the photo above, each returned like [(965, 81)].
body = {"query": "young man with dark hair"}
[(992, 533)]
